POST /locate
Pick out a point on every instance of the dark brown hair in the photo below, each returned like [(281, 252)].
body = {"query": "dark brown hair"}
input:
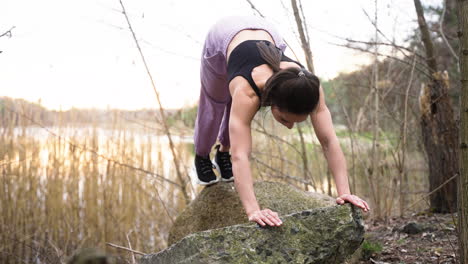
[(288, 89)]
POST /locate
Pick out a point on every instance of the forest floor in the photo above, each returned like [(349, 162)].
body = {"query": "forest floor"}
[(419, 238)]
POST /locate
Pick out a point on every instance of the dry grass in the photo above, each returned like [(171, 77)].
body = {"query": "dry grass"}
[(57, 197)]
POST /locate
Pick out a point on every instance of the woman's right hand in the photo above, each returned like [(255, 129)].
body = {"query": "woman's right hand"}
[(265, 217)]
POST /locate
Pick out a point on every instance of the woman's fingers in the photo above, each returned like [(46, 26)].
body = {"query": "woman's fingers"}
[(340, 200), (260, 221), (354, 200), (267, 220), (367, 206), (273, 216), (257, 219), (358, 202), (266, 217)]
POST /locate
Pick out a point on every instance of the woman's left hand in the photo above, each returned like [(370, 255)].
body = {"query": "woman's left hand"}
[(354, 200)]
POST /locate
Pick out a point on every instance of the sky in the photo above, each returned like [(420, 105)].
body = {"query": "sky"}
[(66, 54)]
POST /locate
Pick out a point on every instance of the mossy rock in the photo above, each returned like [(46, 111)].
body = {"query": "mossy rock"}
[(322, 235), (219, 206)]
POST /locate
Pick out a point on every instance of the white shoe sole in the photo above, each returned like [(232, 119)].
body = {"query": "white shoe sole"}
[(206, 183), (197, 181), (219, 170)]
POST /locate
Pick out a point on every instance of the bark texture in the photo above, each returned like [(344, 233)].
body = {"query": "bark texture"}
[(303, 36), (439, 130), (463, 178)]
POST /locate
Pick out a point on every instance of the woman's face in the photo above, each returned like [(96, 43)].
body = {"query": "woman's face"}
[(287, 119)]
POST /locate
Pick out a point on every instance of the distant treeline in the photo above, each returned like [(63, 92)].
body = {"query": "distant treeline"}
[(19, 112)]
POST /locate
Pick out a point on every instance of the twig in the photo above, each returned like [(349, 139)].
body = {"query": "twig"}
[(295, 178), (375, 122), (383, 35), (7, 33), (277, 138), (281, 158), (127, 249), (373, 43), (254, 8), (387, 56), (130, 246), (405, 130), (92, 151), (162, 113), (441, 30), (57, 251), (9, 162), (433, 191)]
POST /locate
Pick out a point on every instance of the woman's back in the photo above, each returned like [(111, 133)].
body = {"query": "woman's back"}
[(248, 34)]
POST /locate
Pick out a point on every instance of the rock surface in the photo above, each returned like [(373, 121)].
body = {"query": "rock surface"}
[(313, 231), (219, 205)]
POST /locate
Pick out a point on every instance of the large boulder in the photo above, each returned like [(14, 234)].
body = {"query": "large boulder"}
[(219, 206), (314, 230)]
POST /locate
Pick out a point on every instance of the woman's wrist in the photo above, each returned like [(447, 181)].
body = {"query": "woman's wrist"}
[(250, 209), (342, 184), (343, 190)]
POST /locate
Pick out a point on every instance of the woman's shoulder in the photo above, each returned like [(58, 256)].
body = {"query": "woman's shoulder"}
[(242, 87)]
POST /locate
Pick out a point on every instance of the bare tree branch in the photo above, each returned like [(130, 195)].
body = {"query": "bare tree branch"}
[(254, 8), (304, 42), (7, 33), (441, 30), (372, 43), (124, 248), (422, 71), (426, 38), (183, 181)]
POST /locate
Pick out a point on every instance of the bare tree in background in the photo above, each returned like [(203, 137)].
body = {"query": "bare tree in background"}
[(375, 123), (463, 178), (301, 28), (438, 127)]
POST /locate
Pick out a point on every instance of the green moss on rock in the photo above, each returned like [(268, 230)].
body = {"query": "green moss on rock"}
[(214, 229), (219, 206), (321, 235)]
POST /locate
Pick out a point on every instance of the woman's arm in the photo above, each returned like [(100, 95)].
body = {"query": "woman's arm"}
[(323, 126), (243, 109)]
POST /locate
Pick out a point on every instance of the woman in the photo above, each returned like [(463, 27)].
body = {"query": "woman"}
[(243, 68)]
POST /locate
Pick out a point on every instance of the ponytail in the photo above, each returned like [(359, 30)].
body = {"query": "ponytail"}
[(271, 54)]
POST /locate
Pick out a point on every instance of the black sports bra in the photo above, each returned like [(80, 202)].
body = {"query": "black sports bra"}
[(244, 58)]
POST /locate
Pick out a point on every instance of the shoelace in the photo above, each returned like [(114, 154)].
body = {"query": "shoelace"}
[(225, 160), (206, 165)]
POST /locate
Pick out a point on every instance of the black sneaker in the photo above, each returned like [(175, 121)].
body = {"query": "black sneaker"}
[(222, 162), (205, 173)]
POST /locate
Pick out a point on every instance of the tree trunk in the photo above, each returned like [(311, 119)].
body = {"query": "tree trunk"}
[(463, 178), (438, 127), (310, 65), (304, 38)]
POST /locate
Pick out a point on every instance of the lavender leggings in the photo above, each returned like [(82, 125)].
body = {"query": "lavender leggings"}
[(215, 100)]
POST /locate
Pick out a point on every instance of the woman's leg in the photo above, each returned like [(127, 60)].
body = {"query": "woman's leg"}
[(209, 117), (223, 135), (214, 96)]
